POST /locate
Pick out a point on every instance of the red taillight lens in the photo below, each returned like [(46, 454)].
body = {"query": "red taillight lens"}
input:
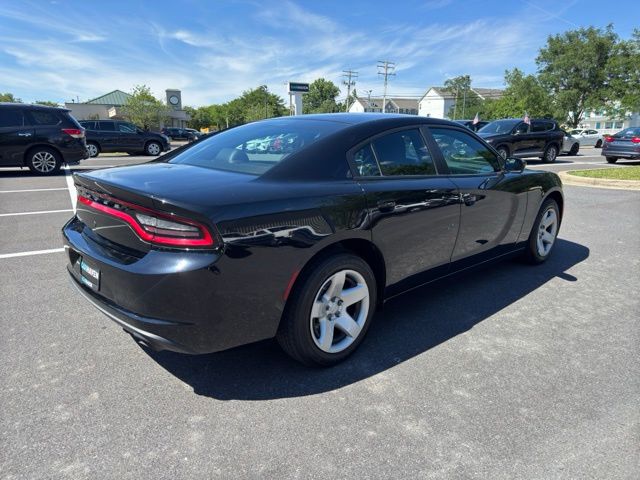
[(74, 132), (155, 227), (635, 139), (608, 139)]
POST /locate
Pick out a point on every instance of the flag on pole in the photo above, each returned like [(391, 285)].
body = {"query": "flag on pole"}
[(526, 119), (476, 119)]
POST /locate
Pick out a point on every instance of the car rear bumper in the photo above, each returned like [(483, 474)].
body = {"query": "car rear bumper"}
[(75, 154), (621, 153), (169, 299)]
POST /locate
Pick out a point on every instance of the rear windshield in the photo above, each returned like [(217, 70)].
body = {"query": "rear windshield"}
[(256, 147), (629, 132), (499, 126)]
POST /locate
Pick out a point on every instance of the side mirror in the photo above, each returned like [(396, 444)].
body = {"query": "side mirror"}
[(516, 165)]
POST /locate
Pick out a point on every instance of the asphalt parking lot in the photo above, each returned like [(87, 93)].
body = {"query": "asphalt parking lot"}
[(508, 372)]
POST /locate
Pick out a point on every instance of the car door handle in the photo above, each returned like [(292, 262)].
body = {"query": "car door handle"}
[(24, 134), (387, 206)]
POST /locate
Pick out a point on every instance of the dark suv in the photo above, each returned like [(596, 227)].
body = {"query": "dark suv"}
[(120, 136), (188, 134), (513, 137), (41, 138)]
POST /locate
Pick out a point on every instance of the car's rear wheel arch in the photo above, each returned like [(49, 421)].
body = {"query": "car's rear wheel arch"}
[(356, 246), (32, 148)]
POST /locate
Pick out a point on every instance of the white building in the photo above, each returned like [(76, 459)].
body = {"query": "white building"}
[(437, 101), (408, 106), (598, 120)]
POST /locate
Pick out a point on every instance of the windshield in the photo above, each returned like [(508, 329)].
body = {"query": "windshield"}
[(256, 147), (499, 126), (575, 132)]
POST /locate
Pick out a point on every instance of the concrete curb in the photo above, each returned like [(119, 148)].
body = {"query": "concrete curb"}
[(569, 179)]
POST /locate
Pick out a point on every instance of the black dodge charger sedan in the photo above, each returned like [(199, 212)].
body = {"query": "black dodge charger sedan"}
[(218, 245)]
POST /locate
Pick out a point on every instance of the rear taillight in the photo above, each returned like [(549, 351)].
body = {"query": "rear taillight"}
[(74, 132), (151, 226), (635, 139), (608, 139)]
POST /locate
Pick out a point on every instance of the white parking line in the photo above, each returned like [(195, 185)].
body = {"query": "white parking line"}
[(71, 187), (33, 190), (34, 213), (33, 252)]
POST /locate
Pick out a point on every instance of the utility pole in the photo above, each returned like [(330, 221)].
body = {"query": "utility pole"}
[(386, 69), (350, 81), (369, 99)]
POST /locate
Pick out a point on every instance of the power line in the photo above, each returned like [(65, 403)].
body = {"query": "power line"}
[(386, 69), (349, 74)]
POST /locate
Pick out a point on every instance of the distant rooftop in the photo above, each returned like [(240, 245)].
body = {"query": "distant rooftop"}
[(117, 98)]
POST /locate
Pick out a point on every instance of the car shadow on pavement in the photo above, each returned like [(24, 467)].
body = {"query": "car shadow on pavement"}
[(408, 326)]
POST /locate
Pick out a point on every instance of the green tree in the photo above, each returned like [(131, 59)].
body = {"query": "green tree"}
[(145, 110), (623, 77), (467, 102), (47, 103), (8, 97), (321, 97), (257, 104), (523, 93), (571, 68)]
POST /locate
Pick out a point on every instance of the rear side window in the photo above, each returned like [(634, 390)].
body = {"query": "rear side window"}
[(365, 162), (539, 127), (10, 117), (43, 117), (403, 153), (463, 154), (89, 125), (107, 126), (255, 148)]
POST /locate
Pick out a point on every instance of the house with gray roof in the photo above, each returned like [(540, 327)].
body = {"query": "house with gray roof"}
[(408, 106), (438, 101)]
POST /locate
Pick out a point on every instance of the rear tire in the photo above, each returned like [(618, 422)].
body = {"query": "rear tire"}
[(612, 159), (329, 310), (550, 154), (574, 149), (543, 233), (93, 149), (153, 148), (44, 161), (599, 144), (504, 152)]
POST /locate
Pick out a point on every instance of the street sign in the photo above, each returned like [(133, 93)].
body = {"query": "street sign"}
[(298, 87)]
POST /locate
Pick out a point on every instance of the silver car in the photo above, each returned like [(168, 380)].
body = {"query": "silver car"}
[(588, 137)]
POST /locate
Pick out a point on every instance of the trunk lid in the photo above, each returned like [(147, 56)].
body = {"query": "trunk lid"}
[(172, 189)]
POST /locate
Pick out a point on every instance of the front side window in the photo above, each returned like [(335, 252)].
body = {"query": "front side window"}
[(521, 128), (403, 153), (10, 117), (255, 148), (463, 154), (503, 127)]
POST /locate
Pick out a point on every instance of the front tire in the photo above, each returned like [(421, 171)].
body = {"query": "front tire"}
[(153, 149), (329, 311), (44, 161), (550, 154), (504, 152), (543, 233), (612, 159)]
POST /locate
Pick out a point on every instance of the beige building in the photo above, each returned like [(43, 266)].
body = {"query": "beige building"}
[(109, 107)]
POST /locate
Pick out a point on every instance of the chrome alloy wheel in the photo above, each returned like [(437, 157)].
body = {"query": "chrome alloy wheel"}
[(339, 311), (551, 154), (153, 149), (547, 231), (44, 162), (92, 150)]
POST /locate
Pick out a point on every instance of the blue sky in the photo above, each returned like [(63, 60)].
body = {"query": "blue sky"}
[(213, 50)]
